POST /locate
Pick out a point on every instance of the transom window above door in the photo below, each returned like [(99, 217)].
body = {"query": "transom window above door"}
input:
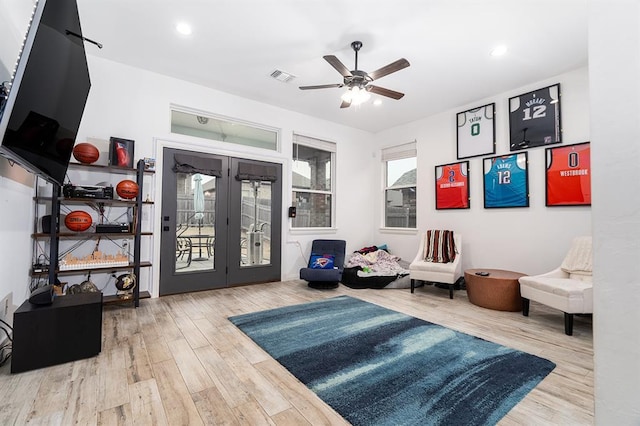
[(208, 126)]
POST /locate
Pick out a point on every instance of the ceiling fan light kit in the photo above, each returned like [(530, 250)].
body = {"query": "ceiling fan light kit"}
[(357, 81), (355, 96)]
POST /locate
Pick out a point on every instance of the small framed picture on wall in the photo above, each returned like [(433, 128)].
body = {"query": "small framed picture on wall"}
[(452, 186), (476, 133), (568, 175), (121, 152), (534, 118), (506, 181)]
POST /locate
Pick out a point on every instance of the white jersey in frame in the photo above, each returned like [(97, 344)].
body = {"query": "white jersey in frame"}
[(476, 131)]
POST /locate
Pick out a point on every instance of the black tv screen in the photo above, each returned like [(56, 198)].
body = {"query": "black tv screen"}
[(40, 117)]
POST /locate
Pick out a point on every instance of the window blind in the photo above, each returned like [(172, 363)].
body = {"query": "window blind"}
[(399, 152)]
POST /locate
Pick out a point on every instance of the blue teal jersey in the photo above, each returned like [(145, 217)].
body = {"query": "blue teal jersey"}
[(505, 184)]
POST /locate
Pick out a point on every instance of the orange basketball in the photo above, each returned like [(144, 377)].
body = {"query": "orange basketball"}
[(78, 221), (127, 189), (86, 153)]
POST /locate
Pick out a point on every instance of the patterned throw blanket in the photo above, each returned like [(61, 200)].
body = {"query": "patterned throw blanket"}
[(376, 263), (439, 246)]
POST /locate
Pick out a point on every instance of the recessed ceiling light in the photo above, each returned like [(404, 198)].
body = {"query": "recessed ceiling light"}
[(377, 102), (183, 28), (499, 50)]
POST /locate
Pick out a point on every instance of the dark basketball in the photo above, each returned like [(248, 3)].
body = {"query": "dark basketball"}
[(86, 153)]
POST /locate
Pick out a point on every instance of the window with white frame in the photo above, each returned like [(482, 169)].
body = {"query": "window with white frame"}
[(312, 182), (400, 169)]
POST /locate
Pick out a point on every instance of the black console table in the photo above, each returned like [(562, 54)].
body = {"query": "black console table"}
[(67, 330)]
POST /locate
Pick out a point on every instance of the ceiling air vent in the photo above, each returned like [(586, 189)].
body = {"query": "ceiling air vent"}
[(282, 76)]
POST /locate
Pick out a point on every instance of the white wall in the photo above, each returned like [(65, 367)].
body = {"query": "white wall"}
[(529, 240), (614, 60), (135, 104), (16, 225)]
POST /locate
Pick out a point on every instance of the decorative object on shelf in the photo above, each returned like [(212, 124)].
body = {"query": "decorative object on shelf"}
[(125, 284), (149, 164), (84, 287), (86, 153), (97, 259), (121, 152), (127, 189), (452, 186), (78, 221), (534, 118), (568, 177), (476, 133), (506, 181)]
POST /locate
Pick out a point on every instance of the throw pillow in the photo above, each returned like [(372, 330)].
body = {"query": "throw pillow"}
[(321, 261)]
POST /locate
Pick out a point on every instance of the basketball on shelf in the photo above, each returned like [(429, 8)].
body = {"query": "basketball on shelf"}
[(86, 153), (127, 189), (78, 221)]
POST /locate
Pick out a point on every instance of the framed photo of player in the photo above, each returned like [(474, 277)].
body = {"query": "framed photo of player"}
[(452, 186), (568, 176), (506, 181), (121, 152), (476, 131), (534, 118)]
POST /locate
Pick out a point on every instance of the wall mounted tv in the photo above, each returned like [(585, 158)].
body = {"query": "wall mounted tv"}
[(39, 118)]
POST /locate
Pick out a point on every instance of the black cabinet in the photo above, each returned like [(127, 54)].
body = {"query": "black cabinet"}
[(67, 330)]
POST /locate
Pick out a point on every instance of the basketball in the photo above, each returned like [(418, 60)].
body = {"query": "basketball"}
[(127, 189), (78, 221), (86, 153)]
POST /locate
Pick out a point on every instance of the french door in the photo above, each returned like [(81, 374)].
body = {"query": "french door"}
[(221, 221)]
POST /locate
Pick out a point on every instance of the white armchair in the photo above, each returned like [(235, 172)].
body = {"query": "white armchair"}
[(567, 288), (434, 272)]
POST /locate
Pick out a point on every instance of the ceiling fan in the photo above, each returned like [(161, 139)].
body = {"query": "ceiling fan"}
[(358, 81)]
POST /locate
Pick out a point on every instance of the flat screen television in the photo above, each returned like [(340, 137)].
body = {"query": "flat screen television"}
[(40, 116)]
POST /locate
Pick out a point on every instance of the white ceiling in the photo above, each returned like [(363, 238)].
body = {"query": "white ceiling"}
[(237, 44)]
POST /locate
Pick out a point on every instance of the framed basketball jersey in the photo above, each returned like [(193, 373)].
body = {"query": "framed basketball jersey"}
[(568, 177), (452, 186), (476, 133), (506, 181), (534, 118)]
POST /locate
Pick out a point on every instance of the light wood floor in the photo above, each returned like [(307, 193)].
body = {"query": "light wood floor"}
[(177, 360)]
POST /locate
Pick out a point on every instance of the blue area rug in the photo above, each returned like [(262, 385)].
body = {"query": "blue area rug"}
[(375, 366)]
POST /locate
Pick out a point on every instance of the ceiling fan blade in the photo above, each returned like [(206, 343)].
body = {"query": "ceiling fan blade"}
[(384, 92), (345, 104), (321, 86), (388, 69), (339, 66)]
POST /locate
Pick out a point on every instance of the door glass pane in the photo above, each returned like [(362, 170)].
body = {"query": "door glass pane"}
[(255, 224), (195, 222)]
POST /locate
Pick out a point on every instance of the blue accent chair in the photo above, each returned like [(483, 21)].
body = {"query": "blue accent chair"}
[(325, 278)]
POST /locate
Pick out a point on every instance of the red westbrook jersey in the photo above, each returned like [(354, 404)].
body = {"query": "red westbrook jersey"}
[(569, 175), (452, 191)]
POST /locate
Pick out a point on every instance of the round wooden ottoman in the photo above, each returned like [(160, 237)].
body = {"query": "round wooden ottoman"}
[(500, 290)]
